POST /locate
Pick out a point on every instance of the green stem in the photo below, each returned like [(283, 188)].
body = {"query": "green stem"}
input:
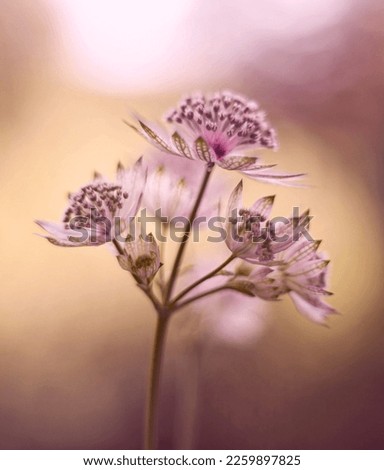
[(203, 279), (183, 244), (154, 382)]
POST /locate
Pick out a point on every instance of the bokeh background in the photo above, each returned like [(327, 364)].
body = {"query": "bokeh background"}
[(75, 333)]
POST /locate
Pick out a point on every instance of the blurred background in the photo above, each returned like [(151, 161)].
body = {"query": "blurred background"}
[(75, 333)]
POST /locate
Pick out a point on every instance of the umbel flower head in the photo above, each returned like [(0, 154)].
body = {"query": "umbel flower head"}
[(301, 273), (141, 258), (251, 235), (100, 210), (216, 129)]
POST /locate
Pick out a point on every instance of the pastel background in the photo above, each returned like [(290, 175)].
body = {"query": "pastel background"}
[(75, 333)]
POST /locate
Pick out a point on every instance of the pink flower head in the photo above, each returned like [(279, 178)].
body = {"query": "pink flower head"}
[(225, 121), (250, 234), (302, 274), (214, 128), (99, 210)]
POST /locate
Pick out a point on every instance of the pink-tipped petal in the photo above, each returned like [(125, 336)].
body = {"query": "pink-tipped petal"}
[(316, 314)]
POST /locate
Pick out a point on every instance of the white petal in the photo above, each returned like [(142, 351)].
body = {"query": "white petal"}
[(57, 230), (202, 150), (182, 146), (153, 133), (235, 199), (283, 179), (316, 314), (263, 206)]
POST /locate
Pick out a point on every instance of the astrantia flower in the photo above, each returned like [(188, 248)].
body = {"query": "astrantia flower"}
[(99, 211), (216, 129), (141, 258), (301, 273), (251, 235)]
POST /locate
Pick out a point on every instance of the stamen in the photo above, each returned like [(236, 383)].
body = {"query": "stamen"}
[(232, 119), (93, 203)]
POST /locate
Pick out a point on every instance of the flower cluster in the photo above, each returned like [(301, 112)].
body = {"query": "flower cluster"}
[(272, 258), (100, 210), (215, 129), (301, 272), (252, 236)]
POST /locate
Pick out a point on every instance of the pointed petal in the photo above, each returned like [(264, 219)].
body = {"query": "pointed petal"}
[(202, 150), (242, 163), (133, 182), (182, 146), (59, 241), (312, 293), (150, 135), (316, 314), (124, 262), (235, 199), (284, 179), (263, 206), (65, 243), (120, 170), (155, 138), (57, 230), (309, 268), (300, 250), (231, 162)]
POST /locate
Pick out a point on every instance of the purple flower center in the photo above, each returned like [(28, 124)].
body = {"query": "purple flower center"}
[(224, 121), (219, 150), (94, 204)]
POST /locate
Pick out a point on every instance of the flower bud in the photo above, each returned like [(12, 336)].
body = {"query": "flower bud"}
[(141, 258)]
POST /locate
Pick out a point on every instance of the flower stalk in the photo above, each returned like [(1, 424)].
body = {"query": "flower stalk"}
[(163, 315), (154, 381), (203, 279), (183, 243)]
